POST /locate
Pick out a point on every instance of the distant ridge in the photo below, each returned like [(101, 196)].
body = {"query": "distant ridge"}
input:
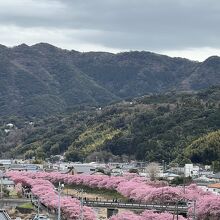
[(42, 79)]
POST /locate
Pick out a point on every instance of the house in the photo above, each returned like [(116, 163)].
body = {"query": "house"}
[(170, 176), (176, 169), (25, 167), (1, 174), (79, 168), (214, 188), (7, 184), (205, 172), (204, 180), (5, 164), (84, 168), (216, 177), (116, 172)]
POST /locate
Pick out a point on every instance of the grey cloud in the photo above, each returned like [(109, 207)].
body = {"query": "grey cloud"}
[(125, 24)]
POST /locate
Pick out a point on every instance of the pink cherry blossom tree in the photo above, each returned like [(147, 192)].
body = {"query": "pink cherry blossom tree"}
[(130, 186)]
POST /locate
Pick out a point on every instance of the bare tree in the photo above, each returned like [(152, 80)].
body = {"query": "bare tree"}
[(153, 169)]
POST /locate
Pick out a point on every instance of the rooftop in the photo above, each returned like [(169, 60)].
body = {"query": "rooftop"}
[(217, 175), (214, 185), (4, 215)]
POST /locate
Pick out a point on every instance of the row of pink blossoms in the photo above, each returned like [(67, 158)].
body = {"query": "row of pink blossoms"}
[(133, 187), (45, 191)]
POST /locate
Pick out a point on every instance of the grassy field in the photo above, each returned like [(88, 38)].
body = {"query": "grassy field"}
[(26, 206), (93, 193)]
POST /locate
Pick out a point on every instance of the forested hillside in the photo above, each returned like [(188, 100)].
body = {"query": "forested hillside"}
[(205, 149), (152, 128), (40, 80)]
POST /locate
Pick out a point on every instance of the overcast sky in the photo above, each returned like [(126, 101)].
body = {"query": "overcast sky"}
[(186, 28)]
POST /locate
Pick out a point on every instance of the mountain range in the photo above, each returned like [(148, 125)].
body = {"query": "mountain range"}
[(42, 79)]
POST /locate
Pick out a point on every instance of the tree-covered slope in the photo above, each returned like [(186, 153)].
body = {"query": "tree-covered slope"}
[(152, 128), (133, 74), (204, 75), (41, 80), (205, 149)]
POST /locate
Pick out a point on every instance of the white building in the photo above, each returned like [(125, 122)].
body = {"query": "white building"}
[(190, 170)]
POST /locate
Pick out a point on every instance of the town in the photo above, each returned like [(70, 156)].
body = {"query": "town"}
[(25, 205)]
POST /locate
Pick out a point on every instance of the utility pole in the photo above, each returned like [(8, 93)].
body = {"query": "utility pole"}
[(174, 213), (81, 204), (163, 166), (67, 185), (1, 189), (38, 207), (184, 185), (59, 192), (194, 210), (177, 211)]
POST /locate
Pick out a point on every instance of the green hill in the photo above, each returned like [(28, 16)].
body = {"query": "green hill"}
[(40, 80), (86, 105), (152, 128), (205, 149)]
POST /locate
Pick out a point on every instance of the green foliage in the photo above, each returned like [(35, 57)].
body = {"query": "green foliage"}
[(6, 192), (216, 166), (26, 206), (181, 180), (101, 156), (41, 80), (133, 170), (150, 128), (91, 140), (181, 160), (205, 149), (107, 193)]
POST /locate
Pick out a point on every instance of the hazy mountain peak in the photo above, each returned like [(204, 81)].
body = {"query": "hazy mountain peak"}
[(3, 46), (212, 60), (21, 46), (45, 46), (42, 79)]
